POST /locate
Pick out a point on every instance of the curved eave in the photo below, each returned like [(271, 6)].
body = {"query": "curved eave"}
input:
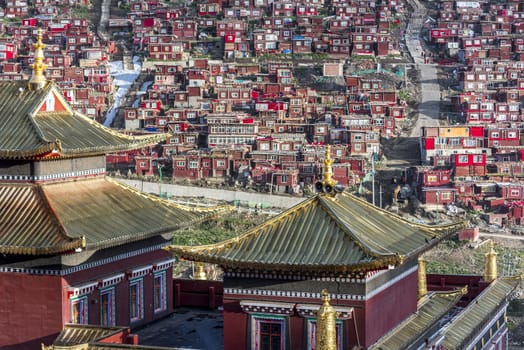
[(445, 232), (29, 154), (257, 229), (52, 250), (43, 151), (189, 253), (445, 229)]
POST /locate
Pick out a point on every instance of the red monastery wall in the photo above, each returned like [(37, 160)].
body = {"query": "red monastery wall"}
[(390, 307), (30, 310)]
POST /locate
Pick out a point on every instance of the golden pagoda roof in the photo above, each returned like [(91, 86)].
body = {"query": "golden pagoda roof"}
[(28, 131), (466, 325), (326, 233), (416, 326), (97, 213)]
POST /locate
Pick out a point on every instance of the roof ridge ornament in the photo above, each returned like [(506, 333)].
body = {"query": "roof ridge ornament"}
[(328, 184), (38, 79)]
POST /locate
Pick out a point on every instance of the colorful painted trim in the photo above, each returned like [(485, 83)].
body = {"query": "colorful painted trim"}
[(59, 176), (82, 267), (267, 307)]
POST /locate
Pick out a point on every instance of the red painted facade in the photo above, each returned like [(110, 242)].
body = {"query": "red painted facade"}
[(47, 305)]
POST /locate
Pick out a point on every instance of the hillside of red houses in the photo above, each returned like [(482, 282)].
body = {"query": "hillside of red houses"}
[(226, 86)]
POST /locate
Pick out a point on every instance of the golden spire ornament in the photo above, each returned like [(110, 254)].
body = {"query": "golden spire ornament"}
[(38, 79), (200, 273), (422, 283), (326, 329), (490, 265), (327, 184)]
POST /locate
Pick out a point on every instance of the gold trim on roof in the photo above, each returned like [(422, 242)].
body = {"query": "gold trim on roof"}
[(38, 80), (322, 234)]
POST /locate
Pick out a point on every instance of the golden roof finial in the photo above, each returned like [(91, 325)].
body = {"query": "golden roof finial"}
[(328, 170), (327, 184), (326, 330), (422, 283), (38, 79), (490, 265), (200, 274)]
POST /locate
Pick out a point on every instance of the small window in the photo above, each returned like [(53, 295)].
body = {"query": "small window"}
[(107, 307), (79, 309), (160, 292), (463, 159), (136, 300)]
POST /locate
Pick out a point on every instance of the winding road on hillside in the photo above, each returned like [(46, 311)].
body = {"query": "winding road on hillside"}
[(429, 106), (405, 150)]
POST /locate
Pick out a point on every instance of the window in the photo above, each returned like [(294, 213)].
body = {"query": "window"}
[(107, 307), (514, 193), (445, 195), (193, 164), (136, 300), (463, 159), (432, 178), (311, 330), (477, 159), (159, 292), (268, 333), (79, 310)]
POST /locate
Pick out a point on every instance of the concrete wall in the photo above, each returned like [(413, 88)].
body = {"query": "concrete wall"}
[(213, 193)]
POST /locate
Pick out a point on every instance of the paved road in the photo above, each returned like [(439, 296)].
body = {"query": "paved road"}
[(499, 235), (429, 107)]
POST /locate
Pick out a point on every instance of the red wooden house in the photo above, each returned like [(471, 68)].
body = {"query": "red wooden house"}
[(510, 191), (439, 196), (469, 165)]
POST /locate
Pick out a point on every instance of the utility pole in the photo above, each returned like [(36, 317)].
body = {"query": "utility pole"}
[(438, 195), (380, 195), (373, 174), (160, 166)]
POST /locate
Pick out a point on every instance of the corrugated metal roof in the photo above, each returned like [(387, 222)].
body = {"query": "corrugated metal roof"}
[(108, 346), (28, 224), (415, 327), (74, 334), (27, 133), (334, 233), (59, 217), (466, 326)]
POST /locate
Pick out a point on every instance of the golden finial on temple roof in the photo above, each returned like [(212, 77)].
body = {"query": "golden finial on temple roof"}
[(327, 184), (38, 79), (326, 330), (200, 273), (490, 265)]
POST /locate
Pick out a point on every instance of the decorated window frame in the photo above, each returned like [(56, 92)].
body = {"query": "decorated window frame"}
[(160, 291), (136, 300), (268, 328), (107, 307), (79, 310)]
